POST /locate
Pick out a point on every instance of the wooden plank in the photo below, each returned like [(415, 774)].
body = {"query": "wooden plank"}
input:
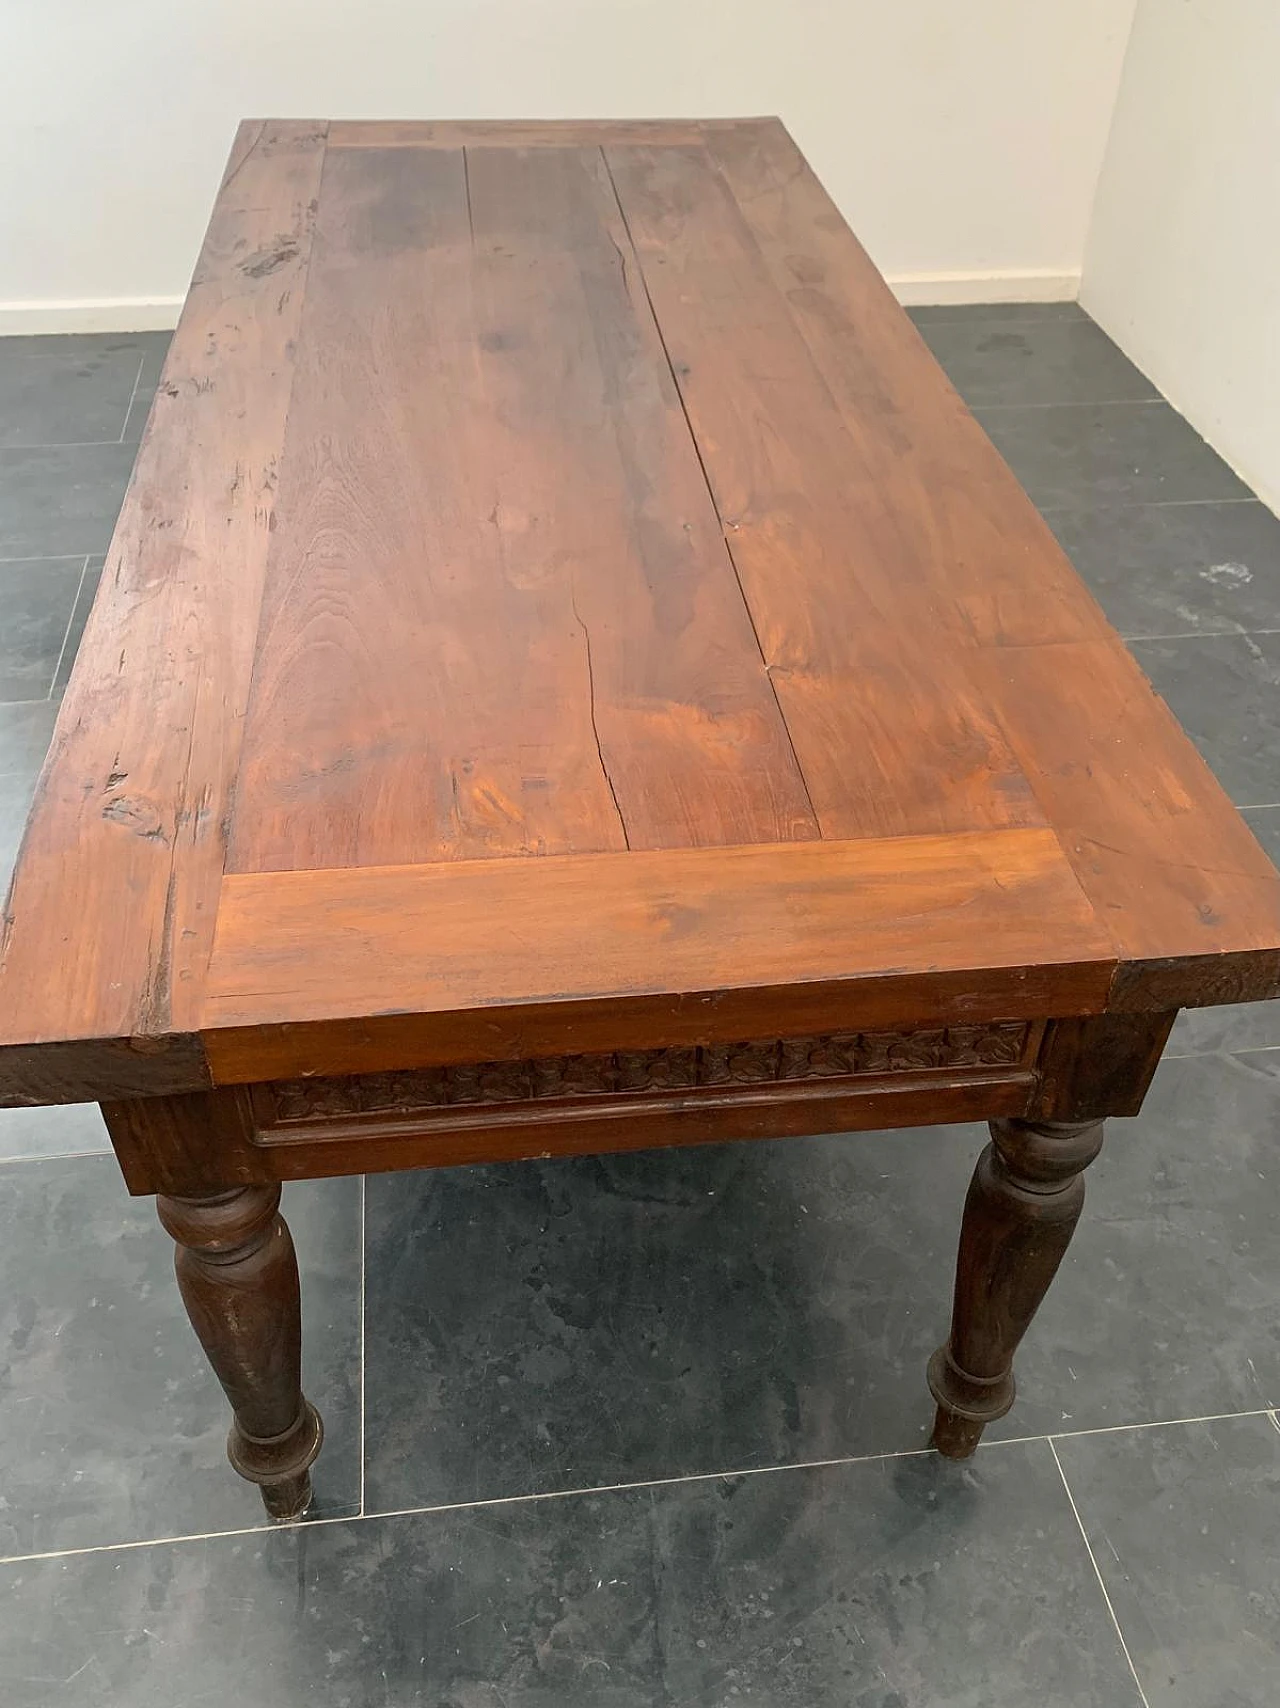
[(688, 725), (967, 530), (1190, 898), (525, 133), (1001, 581), (416, 696), (110, 915), (891, 733), (499, 618), (485, 960)]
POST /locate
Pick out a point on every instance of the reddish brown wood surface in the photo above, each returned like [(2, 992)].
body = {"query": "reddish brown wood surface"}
[(524, 502), (503, 958), (542, 647), (110, 916)]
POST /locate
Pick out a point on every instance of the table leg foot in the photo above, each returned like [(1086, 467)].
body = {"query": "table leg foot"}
[(1023, 1204), (238, 1277)]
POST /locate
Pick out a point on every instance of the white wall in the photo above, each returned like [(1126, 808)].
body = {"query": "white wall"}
[(962, 140), (1182, 266)]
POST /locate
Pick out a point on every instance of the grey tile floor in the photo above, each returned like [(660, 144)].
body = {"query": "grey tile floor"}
[(650, 1429)]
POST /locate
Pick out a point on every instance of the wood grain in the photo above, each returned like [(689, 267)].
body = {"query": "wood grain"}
[(963, 527), (1174, 872), (238, 1277), (490, 959), (117, 884), (891, 733), (499, 616), (1023, 1204), (579, 491)]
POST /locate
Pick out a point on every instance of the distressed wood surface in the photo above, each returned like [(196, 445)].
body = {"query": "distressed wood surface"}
[(560, 606), (504, 622), (110, 915)]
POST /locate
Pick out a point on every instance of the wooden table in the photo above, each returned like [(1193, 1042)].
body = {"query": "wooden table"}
[(571, 675)]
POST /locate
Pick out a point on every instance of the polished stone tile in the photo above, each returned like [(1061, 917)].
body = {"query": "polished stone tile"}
[(24, 735), (63, 499), (67, 1129), (37, 597), (560, 1324), (85, 346), (1182, 1525), (1164, 569), (1225, 692), (112, 1426), (1034, 362), (1168, 1303), (550, 1605), (902, 1584), (997, 311), (1235, 1026), (77, 396), (1090, 454), (79, 617)]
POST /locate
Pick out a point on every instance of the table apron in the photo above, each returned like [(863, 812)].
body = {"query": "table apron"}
[(436, 1138), (1070, 1069)]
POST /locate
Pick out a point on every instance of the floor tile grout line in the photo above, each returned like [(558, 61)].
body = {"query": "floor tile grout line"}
[(70, 338), (137, 381), (1139, 504), (266, 1529), (48, 557), (59, 445), (1078, 403), (655, 1483), (1220, 1050), (52, 557), (51, 1156), (1201, 634), (1124, 1428), (364, 1516), (1084, 1537), (66, 635)]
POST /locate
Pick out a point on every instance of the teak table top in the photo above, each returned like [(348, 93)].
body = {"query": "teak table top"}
[(560, 604)]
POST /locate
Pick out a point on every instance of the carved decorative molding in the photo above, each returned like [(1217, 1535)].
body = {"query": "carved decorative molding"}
[(835, 1055)]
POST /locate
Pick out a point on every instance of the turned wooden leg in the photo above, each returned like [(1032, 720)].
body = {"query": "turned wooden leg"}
[(239, 1281), (1023, 1204)]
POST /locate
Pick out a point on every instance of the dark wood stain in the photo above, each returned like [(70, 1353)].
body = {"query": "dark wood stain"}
[(570, 674)]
